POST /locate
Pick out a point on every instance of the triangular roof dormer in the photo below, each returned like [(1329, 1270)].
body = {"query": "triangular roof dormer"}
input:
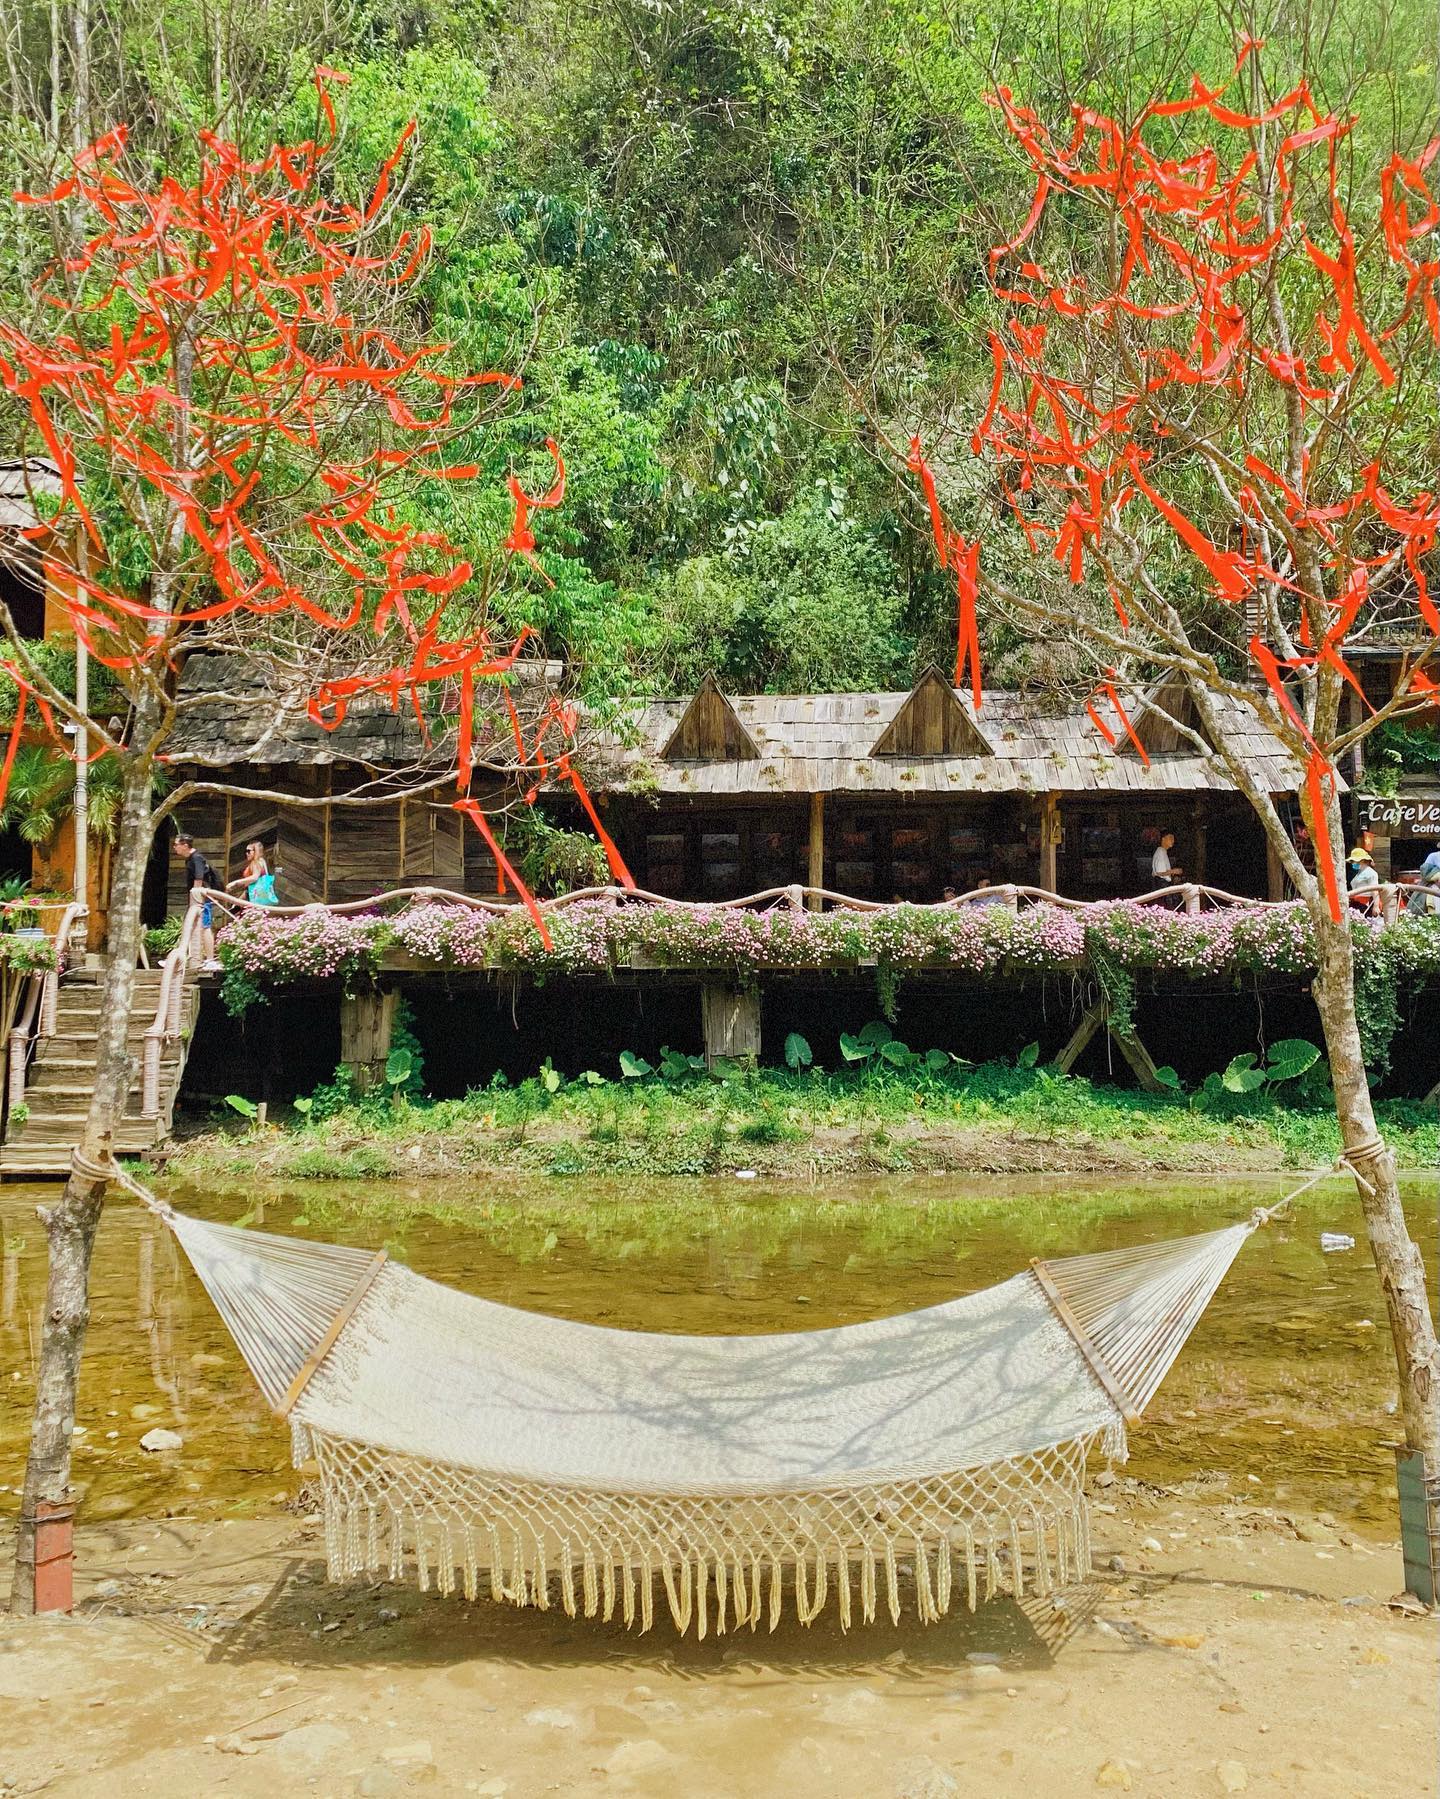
[(932, 721), (1168, 704), (710, 730)]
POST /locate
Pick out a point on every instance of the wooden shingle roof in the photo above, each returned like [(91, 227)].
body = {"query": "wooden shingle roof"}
[(804, 743), (824, 743)]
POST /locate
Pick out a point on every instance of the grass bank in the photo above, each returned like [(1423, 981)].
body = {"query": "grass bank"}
[(993, 1119)]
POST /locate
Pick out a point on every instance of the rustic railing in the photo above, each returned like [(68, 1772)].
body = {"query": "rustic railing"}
[(38, 1009), (165, 1027), (1189, 896)]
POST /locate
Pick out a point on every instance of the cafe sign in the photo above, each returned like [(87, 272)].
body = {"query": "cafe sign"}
[(1400, 817)]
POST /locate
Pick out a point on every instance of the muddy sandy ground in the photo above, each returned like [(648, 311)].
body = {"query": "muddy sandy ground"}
[(1224, 1649)]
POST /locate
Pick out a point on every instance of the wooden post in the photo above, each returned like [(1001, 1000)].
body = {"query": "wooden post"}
[(1050, 842), (1097, 1017), (1093, 1018), (367, 1021), (730, 1019), (815, 868), (1197, 861), (1274, 872)]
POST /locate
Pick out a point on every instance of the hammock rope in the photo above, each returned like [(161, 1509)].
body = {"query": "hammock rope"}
[(917, 1461)]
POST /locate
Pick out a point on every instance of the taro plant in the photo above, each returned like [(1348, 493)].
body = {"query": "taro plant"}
[(877, 1044), (798, 1053), (675, 1065), (1291, 1059)]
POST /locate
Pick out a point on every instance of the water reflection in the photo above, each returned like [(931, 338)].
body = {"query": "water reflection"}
[(1288, 1379)]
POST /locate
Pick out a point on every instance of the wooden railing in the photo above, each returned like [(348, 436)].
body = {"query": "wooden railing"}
[(165, 1026), (38, 1008), (1189, 896)]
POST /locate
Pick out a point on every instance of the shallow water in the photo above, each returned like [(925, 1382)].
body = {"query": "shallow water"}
[(1288, 1378)]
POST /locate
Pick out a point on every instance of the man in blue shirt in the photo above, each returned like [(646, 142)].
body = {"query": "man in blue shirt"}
[(1431, 864)]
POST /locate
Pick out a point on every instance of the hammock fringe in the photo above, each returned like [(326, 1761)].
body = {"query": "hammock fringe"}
[(710, 1580)]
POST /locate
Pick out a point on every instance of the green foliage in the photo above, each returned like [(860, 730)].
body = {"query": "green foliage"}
[(26, 955), (798, 1053), (1400, 747), (160, 939), (879, 1113), (245, 1107), (1289, 1060), (550, 859)]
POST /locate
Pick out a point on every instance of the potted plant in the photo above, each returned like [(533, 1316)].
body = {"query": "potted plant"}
[(18, 913)]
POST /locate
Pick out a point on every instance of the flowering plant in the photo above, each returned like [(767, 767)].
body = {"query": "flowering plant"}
[(596, 936)]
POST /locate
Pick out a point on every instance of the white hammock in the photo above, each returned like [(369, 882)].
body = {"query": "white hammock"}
[(920, 1457)]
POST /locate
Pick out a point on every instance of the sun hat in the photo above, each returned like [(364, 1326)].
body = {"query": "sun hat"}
[(1359, 855)]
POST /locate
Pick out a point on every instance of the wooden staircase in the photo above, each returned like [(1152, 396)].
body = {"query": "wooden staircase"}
[(61, 1076)]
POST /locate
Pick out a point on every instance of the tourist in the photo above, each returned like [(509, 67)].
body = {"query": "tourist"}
[(199, 876), (1424, 900), (1364, 882), (1431, 864), (989, 896), (947, 895), (1162, 869), (255, 877)]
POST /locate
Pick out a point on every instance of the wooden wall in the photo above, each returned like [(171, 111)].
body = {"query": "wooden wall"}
[(335, 853)]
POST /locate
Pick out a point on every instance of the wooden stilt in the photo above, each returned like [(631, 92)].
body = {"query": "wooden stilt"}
[(1094, 1017), (1097, 1017), (367, 1021), (730, 1018)]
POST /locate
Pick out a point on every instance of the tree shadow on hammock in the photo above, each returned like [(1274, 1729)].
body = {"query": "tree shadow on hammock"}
[(303, 1620)]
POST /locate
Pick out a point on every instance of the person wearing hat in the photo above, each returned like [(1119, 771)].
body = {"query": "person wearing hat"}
[(1364, 882), (1431, 864)]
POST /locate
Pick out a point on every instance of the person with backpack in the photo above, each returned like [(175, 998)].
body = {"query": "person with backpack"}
[(199, 877)]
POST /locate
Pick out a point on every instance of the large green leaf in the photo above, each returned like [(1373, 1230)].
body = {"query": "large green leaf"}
[(876, 1032), (634, 1067), (1242, 1076), (897, 1054), (798, 1053), (1290, 1058), (854, 1049)]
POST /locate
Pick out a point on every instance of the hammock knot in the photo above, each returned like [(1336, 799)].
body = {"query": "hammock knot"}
[(90, 1170), (110, 1170)]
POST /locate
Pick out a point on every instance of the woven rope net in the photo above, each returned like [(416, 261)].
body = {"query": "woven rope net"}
[(914, 1462)]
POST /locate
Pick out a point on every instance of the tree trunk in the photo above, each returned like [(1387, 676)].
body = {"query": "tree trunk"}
[(70, 1226), (1402, 1274)]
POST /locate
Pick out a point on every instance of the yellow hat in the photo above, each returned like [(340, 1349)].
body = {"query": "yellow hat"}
[(1359, 855)]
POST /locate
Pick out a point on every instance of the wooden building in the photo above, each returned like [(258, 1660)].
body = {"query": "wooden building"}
[(878, 796), (303, 780), (898, 796)]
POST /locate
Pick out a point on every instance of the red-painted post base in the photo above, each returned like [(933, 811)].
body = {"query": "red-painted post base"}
[(54, 1556)]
